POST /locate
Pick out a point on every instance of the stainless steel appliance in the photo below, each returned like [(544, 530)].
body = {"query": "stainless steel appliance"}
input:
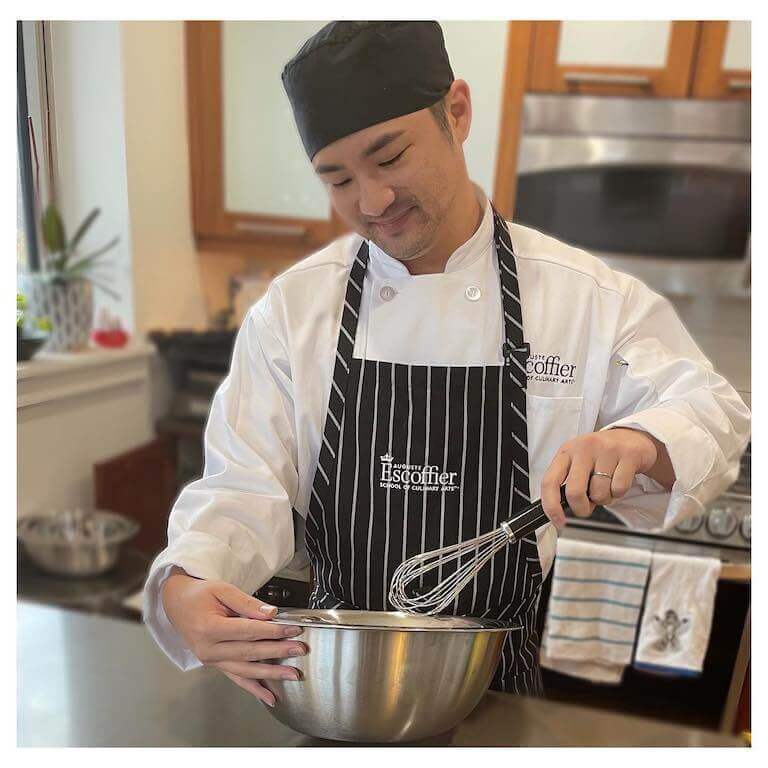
[(372, 676), (658, 188)]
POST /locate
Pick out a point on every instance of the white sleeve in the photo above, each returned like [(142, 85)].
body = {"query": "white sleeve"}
[(235, 523), (660, 382)]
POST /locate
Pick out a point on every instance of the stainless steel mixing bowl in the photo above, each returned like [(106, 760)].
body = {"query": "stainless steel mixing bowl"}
[(371, 676), (75, 543)]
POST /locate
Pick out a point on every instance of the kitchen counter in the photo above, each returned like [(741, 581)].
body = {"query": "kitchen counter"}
[(86, 680)]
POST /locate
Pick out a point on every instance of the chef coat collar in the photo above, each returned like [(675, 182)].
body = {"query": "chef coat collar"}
[(384, 265)]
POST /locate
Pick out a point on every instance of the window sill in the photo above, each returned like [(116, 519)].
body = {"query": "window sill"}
[(57, 376)]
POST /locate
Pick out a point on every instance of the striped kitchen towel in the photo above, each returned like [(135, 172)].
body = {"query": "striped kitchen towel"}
[(594, 609)]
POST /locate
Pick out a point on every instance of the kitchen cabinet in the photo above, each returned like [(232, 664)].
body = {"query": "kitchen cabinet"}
[(253, 190), (250, 181), (613, 58), (724, 61)]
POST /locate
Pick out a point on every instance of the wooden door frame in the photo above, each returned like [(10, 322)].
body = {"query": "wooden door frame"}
[(673, 80), (711, 81), (215, 227)]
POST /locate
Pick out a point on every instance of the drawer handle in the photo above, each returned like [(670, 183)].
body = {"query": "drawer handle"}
[(737, 84), (263, 228), (606, 78)]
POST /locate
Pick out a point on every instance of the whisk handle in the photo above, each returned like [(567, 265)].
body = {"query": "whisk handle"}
[(529, 519)]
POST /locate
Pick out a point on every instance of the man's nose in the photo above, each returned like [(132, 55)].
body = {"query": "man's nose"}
[(375, 198)]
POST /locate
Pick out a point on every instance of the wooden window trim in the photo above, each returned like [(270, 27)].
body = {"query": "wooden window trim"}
[(711, 80), (671, 81), (213, 223), (517, 62)]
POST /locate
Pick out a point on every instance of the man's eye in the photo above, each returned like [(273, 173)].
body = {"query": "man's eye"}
[(394, 159), (341, 183)]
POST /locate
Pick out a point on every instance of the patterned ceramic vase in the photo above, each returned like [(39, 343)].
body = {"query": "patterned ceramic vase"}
[(70, 308)]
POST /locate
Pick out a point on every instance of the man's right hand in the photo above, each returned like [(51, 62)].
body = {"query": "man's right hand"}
[(228, 629)]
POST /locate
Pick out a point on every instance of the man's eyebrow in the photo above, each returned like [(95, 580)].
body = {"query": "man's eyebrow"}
[(371, 149)]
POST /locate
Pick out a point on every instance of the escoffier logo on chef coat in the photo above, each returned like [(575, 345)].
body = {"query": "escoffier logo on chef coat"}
[(550, 368), (415, 477)]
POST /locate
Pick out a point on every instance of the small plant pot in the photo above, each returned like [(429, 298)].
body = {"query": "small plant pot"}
[(28, 346), (69, 306)]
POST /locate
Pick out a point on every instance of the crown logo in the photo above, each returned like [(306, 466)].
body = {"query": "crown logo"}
[(387, 457)]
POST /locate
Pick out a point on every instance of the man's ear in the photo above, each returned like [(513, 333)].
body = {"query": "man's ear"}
[(458, 102)]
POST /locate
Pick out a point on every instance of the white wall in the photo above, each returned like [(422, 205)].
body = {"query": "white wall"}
[(88, 87), (477, 50), (168, 291), (72, 413)]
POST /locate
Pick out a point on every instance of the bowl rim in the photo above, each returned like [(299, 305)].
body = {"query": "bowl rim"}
[(482, 625), (30, 536)]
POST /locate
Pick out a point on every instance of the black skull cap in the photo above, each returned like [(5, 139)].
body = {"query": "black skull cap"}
[(354, 74)]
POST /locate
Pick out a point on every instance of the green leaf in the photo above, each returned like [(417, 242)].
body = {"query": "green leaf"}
[(98, 252), (84, 266), (53, 230), (106, 289), (83, 228)]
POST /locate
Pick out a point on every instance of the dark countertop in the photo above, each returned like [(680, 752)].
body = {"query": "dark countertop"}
[(86, 680)]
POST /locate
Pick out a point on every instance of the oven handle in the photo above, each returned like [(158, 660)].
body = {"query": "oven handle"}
[(607, 78)]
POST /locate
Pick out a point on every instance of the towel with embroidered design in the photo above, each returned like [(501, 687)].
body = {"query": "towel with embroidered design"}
[(677, 618), (594, 609)]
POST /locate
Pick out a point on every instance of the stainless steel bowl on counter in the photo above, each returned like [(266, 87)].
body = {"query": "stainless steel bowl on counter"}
[(372, 676), (75, 543)]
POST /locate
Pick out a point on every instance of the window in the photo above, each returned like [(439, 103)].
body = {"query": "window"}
[(26, 238)]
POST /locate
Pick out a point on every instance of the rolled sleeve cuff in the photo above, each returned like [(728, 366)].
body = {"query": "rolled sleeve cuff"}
[(692, 453), (202, 556)]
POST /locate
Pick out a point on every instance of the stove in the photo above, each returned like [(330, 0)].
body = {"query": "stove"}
[(725, 523)]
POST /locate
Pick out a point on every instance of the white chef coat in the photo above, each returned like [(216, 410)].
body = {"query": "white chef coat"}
[(606, 351)]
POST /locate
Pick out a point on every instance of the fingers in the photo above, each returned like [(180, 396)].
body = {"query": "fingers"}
[(600, 488), (221, 628), (553, 478), (623, 477), (243, 604), (257, 651), (577, 484), (258, 690), (254, 670)]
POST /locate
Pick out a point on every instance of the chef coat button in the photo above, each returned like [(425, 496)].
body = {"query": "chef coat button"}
[(387, 293), (473, 293)]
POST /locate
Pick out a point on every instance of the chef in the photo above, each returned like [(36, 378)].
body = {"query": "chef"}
[(420, 379)]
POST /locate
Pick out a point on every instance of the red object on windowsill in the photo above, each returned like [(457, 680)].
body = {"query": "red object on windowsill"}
[(114, 338), (110, 332)]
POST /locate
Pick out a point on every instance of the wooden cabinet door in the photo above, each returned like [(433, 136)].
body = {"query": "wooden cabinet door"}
[(723, 64), (253, 189), (613, 58), (142, 485)]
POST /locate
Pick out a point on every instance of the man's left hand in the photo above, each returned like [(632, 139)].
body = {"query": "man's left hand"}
[(620, 453)]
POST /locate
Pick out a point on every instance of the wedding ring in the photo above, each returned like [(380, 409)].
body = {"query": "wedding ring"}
[(602, 474)]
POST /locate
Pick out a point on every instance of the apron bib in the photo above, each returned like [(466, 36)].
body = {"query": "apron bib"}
[(418, 457)]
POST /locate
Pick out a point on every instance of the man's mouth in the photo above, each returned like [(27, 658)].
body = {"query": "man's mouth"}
[(394, 225)]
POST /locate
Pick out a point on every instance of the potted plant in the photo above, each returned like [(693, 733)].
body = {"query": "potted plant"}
[(63, 290), (31, 333)]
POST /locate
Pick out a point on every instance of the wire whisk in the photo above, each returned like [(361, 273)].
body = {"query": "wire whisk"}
[(475, 553)]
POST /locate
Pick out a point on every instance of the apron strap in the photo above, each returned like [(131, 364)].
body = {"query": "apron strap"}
[(516, 351)]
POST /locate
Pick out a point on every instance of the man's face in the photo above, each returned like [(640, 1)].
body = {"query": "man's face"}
[(393, 182)]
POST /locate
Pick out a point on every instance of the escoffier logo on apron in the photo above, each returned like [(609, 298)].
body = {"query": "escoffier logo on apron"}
[(550, 368), (415, 477)]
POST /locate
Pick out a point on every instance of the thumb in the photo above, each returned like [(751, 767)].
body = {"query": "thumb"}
[(243, 604)]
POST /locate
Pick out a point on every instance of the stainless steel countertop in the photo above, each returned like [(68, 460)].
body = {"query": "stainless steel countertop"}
[(85, 680)]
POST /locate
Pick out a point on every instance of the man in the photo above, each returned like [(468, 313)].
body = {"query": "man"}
[(418, 381)]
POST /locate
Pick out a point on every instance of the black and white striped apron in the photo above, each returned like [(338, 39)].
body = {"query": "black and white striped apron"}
[(460, 433)]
